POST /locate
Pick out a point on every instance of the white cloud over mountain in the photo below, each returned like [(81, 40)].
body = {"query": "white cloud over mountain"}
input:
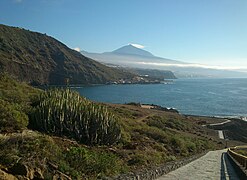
[(195, 66), (138, 46), (77, 49)]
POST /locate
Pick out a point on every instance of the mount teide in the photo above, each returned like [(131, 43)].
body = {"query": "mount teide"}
[(130, 56), (132, 50)]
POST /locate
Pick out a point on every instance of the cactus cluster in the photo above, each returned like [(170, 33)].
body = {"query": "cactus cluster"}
[(65, 113)]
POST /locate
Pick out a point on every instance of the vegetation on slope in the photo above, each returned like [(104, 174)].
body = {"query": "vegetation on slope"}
[(148, 137), (163, 74), (65, 113), (55, 157), (15, 103), (151, 137), (40, 59), (241, 151), (46, 156)]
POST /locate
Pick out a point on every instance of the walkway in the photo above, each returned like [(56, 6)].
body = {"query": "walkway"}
[(214, 165), (217, 124), (221, 134)]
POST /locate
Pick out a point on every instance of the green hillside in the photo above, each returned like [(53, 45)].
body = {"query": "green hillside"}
[(40, 59), (163, 74)]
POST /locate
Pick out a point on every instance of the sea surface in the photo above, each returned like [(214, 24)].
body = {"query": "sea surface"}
[(209, 97)]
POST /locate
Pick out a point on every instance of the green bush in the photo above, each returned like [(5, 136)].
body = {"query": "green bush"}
[(93, 163), (15, 99), (30, 148), (17, 92), (167, 122), (11, 117), (66, 113), (40, 151)]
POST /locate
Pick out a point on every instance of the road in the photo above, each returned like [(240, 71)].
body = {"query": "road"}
[(214, 165), (216, 124), (220, 132)]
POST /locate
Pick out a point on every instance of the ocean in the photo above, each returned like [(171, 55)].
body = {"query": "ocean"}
[(206, 97)]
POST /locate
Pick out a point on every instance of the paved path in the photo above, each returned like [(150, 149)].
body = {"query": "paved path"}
[(221, 134), (217, 124), (214, 165)]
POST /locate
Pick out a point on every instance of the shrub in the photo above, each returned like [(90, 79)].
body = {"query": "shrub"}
[(15, 99), (66, 113), (30, 148), (91, 162), (11, 117), (41, 151)]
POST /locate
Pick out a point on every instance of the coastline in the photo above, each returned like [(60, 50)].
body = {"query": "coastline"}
[(172, 109)]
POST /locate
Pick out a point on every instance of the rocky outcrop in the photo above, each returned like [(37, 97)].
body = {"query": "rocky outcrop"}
[(21, 171), (6, 176)]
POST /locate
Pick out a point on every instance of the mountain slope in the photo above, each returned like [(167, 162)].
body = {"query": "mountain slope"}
[(132, 50), (129, 56), (163, 74), (39, 59)]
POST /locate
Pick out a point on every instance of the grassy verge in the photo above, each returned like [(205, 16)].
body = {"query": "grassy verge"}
[(242, 152)]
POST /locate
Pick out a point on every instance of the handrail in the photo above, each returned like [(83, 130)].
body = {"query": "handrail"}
[(241, 159)]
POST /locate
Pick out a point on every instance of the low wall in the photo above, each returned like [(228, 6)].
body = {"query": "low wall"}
[(155, 172), (238, 161)]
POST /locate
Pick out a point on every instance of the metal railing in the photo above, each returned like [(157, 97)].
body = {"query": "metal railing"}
[(241, 159)]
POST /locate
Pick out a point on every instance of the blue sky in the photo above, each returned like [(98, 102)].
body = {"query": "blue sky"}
[(200, 31)]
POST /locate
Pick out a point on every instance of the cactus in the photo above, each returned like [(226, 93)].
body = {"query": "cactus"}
[(66, 113)]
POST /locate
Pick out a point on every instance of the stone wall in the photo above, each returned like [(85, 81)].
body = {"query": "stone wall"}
[(155, 172)]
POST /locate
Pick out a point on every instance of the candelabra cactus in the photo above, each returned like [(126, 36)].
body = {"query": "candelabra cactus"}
[(66, 113)]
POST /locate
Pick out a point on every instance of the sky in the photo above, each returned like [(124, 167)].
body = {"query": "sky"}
[(212, 32)]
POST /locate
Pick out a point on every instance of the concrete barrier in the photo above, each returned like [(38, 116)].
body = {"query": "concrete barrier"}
[(238, 161)]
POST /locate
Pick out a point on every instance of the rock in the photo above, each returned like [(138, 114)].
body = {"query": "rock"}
[(52, 165), (19, 169), (61, 176), (19, 177), (38, 174), (23, 172), (6, 176)]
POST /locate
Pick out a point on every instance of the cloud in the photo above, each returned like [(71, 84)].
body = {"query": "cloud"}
[(77, 49), (241, 68), (138, 46)]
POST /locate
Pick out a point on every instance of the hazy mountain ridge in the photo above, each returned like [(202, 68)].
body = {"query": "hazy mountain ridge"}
[(163, 74), (40, 59), (139, 58), (128, 56)]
